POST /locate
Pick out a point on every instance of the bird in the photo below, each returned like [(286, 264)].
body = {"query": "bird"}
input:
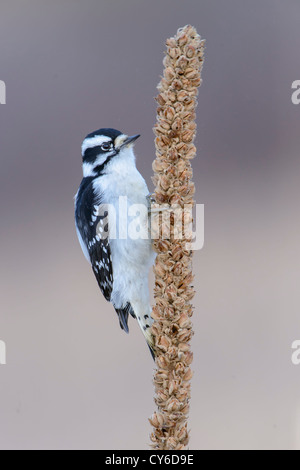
[(120, 261)]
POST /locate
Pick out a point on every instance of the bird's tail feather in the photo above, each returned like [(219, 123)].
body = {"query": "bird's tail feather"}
[(145, 321), (123, 316)]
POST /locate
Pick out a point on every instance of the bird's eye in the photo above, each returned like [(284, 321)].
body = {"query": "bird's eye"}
[(106, 146)]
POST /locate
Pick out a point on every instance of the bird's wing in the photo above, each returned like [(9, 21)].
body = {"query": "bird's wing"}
[(93, 233)]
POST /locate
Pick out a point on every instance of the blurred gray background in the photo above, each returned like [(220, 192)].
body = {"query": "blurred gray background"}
[(73, 379)]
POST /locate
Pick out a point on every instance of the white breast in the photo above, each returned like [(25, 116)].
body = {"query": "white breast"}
[(131, 258)]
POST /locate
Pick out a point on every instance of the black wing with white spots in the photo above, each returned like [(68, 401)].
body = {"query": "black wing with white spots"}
[(92, 225), (93, 229)]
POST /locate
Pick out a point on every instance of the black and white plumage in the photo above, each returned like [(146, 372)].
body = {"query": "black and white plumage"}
[(120, 263)]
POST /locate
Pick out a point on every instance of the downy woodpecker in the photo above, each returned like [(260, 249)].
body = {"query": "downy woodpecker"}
[(120, 261)]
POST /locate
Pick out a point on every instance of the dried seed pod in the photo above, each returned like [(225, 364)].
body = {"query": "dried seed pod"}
[(184, 320), (190, 51), (169, 113), (188, 375), (182, 62)]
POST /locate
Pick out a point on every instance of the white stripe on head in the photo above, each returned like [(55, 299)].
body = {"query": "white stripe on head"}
[(91, 142), (88, 168)]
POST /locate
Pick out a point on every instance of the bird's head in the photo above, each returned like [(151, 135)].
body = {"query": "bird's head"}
[(100, 148)]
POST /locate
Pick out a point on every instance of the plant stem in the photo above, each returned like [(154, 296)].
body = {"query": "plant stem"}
[(175, 131)]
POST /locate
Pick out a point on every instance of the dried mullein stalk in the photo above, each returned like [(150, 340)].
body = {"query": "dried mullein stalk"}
[(172, 329)]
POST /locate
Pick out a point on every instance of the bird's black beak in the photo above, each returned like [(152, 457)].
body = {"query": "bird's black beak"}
[(129, 140)]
